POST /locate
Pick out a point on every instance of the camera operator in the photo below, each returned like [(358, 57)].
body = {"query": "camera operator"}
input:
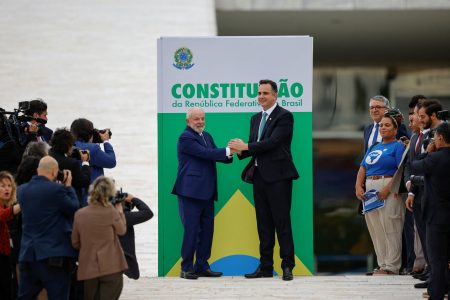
[(83, 131), (68, 158), (142, 215), (95, 230), (436, 208), (37, 131)]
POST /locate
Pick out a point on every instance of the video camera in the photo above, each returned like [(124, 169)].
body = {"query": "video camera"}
[(118, 198), (12, 128)]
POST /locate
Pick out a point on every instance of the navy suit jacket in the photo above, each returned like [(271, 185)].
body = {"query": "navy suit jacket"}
[(435, 166), (197, 174), (99, 159), (273, 151), (402, 131), (47, 215)]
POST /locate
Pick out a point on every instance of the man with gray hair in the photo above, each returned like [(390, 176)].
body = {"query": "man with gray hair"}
[(196, 188)]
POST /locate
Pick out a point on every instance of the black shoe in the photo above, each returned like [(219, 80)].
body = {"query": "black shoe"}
[(421, 275), (259, 273), (421, 285), (208, 273), (287, 274), (188, 275)]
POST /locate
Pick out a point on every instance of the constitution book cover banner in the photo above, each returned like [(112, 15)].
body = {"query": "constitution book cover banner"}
[(221, 75)]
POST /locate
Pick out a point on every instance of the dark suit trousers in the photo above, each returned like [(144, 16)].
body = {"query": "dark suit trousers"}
[(197, 217), (438, 241), (273, 214), (34, 276), (421, 229)]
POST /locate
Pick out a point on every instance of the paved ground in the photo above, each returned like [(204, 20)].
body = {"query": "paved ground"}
[(314, 287)]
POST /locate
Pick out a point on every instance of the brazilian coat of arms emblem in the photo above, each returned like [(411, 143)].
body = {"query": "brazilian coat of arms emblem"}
[(183, 59)]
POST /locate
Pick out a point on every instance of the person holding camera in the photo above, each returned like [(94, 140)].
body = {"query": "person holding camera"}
[(83, 131), (36, 130), (46, 255), (96, 227), (133, 217), (436, 208), (68, 158)]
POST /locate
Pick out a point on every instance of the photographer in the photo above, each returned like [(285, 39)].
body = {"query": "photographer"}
[(37, 131), (142, 215), (46, 254), (436, 208), (83, 131), (68, 158), (101, 260)]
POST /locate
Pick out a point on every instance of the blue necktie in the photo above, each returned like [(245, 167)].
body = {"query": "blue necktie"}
[(261, 125), (201, 134), (375, 134)]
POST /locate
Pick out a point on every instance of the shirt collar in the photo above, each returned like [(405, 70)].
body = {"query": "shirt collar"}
[(270, 110)]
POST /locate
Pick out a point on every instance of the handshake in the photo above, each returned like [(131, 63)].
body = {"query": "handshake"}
[(237, 146)]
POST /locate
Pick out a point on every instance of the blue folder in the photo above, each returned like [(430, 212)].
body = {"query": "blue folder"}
[(371, 201)]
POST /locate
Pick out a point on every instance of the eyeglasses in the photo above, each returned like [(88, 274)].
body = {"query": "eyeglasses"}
[(376, 107)]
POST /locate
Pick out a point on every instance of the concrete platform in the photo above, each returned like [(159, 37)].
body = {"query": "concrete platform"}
[(313, 287)]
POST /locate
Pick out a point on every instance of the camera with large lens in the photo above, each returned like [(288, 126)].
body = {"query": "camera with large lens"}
[(119, 197), (96, 138), (417, 180)]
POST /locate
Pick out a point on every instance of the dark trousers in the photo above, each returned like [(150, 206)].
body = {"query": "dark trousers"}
[(197, 217), (5, 277), (34, 276), (107, 287), (421, 230), (273, 214), (408, 242), (438, 240)]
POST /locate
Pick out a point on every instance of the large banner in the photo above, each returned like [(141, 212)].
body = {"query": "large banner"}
[(221, 75)]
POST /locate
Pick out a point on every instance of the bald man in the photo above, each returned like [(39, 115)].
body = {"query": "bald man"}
[(46, 253)]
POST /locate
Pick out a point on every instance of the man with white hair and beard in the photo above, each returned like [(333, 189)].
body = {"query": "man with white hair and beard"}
[(196, 188)]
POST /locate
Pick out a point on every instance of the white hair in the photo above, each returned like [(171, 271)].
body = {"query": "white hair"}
[(191, 111), (382, 99)]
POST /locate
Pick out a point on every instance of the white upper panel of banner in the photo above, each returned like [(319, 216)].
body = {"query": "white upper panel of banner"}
[(221, 74)]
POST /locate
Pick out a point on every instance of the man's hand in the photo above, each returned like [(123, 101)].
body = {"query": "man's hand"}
[(237, 145), (67, 178), (129, 198), (104, 136), (409, 203), (84, 154)]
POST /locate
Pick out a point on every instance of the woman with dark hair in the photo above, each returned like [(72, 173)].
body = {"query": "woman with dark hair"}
[(8, 208), (96, 227), (62, 148), (385, 224), (83, 131)]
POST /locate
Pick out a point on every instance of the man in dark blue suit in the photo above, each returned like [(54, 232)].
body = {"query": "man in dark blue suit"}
[(196, 188), (46, 253)]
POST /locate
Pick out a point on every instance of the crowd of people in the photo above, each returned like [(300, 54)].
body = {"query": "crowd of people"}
[(66, 232), (410, 171)]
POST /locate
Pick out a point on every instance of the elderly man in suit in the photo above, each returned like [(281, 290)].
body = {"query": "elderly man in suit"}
[(436, 208), (196, 188), (271, 170), (46, 254)]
